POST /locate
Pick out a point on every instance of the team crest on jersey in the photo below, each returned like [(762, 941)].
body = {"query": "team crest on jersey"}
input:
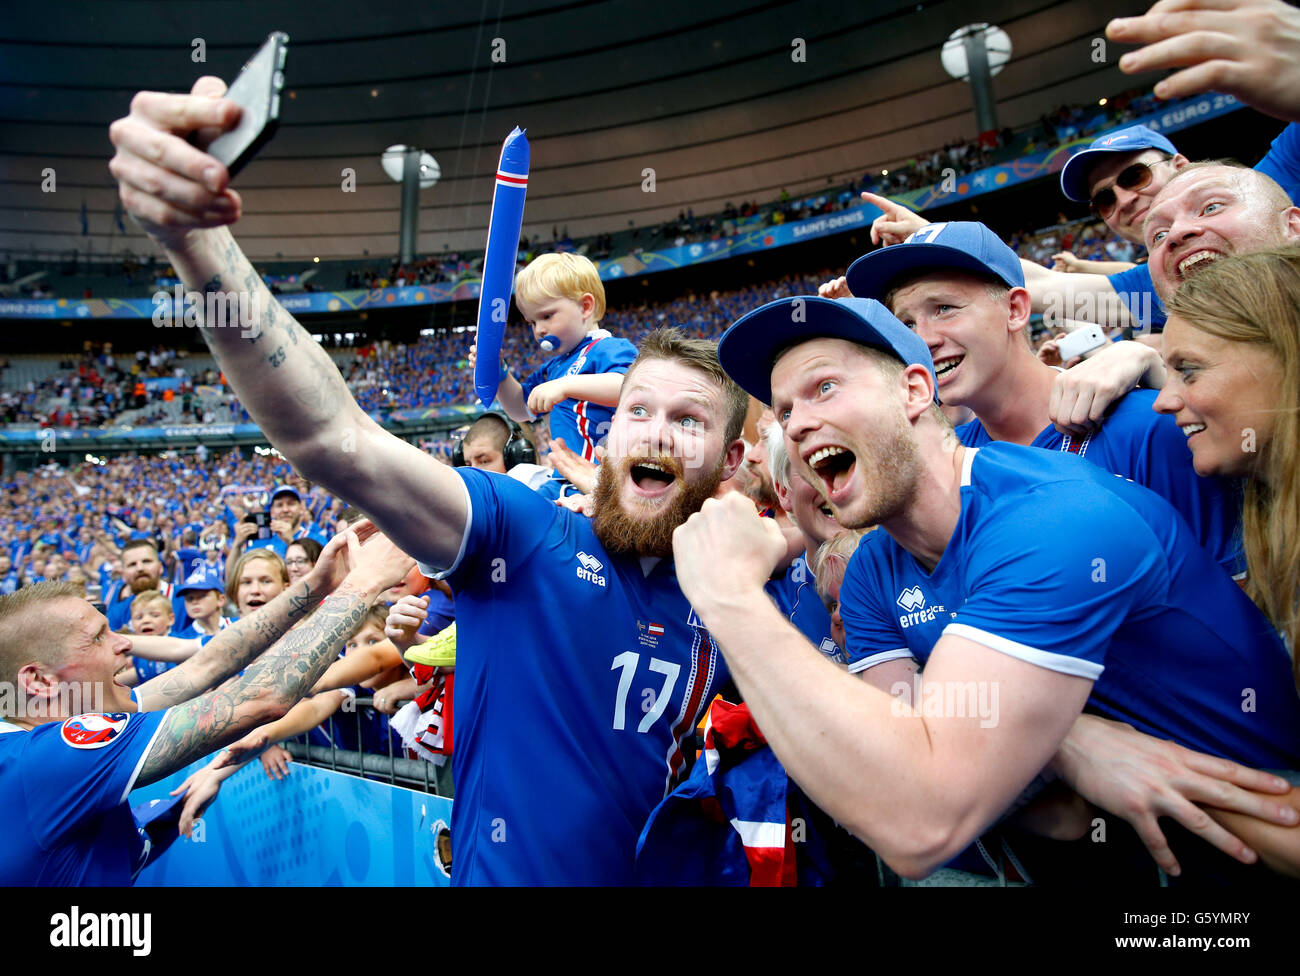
[(94, 730)]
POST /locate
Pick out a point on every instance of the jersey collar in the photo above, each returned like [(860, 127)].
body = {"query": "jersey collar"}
[(6, 727)]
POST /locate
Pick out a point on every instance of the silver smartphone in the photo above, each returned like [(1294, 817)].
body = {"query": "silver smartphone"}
[(257, 92)]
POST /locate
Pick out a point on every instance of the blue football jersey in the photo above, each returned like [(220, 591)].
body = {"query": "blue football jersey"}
[(581, 423), (1141, 445), (1283, 161), (580, 679), (65, 819), (795, 594), (1057, 563)]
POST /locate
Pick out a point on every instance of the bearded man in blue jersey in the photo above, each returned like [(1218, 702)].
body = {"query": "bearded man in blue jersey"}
[(1019, 578), (581, 669)]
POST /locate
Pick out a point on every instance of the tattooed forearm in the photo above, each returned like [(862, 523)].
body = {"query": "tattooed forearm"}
[(230, 651), (272, 683)]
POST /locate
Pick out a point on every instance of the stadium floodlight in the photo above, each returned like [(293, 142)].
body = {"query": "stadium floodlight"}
[(974, 54), (416, 171)]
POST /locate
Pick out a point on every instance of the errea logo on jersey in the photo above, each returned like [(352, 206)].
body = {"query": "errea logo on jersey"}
[(590, 568), (911, 598), (913, 601)]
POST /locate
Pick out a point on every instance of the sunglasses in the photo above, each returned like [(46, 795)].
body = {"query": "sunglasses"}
[(1133, 177)]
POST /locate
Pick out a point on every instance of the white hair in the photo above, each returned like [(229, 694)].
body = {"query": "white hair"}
[(778, 459)]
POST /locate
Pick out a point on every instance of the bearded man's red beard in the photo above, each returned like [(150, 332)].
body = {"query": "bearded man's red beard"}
[(651, 535), (142, 583)]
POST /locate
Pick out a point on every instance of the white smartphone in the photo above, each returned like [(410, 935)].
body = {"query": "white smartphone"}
[(1080, 342)]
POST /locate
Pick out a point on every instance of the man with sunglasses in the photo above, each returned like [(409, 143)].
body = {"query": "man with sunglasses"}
[(1119, 174)]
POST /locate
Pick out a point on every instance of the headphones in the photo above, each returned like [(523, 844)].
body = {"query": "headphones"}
[(517, 450)]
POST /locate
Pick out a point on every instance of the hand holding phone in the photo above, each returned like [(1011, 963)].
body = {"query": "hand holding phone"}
[(257, 92)]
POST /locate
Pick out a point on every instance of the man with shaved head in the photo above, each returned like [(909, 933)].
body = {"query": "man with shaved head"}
[(1207, 211), (1211, 210)]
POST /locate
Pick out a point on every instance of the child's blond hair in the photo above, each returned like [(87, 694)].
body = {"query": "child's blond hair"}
[(147, 597), (561, 276)]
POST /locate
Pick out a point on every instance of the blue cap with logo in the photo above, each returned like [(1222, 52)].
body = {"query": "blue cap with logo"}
[(749, 349), (1074, 175), (205, 577), (962, 245)]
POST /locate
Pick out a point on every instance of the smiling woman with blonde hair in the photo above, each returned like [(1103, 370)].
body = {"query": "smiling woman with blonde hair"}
[(1232, 352)]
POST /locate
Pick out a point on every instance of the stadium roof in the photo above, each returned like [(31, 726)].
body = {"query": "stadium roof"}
[(712, 96)]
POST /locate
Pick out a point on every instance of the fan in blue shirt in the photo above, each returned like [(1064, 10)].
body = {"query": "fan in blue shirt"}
[(1028, 581), (961, 289)]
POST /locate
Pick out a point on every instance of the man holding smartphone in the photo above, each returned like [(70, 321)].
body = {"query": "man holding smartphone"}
[(961, 289)]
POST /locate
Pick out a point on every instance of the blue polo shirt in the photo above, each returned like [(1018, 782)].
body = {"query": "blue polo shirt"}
[(1059, 564), (1141, 445)]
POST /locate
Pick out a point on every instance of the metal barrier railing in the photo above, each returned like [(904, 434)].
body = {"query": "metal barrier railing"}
[(398, 770)]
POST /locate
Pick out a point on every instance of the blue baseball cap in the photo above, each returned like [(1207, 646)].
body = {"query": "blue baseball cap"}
[(205, 577), (1074, 175), (962, 245), (285, 490), (749, 349)]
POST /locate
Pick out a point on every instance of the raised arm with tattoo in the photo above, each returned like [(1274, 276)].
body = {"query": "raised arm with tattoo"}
[(289, 385), (276, 680)]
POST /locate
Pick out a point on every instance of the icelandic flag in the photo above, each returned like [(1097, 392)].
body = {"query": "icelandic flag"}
[(730, 822)]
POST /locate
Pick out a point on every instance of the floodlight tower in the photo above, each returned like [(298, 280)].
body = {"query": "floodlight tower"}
[(975, 53), (416, 171)]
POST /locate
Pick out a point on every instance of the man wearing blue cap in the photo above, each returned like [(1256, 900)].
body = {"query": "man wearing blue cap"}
[(1020, 579), (1119, 173), (289, 522), (961, 289)]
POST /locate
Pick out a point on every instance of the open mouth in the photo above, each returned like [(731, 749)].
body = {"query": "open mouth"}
[(1190, 429), (255, 602), (834, 465), (652, 478), (945, 366), (1194, 263)]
